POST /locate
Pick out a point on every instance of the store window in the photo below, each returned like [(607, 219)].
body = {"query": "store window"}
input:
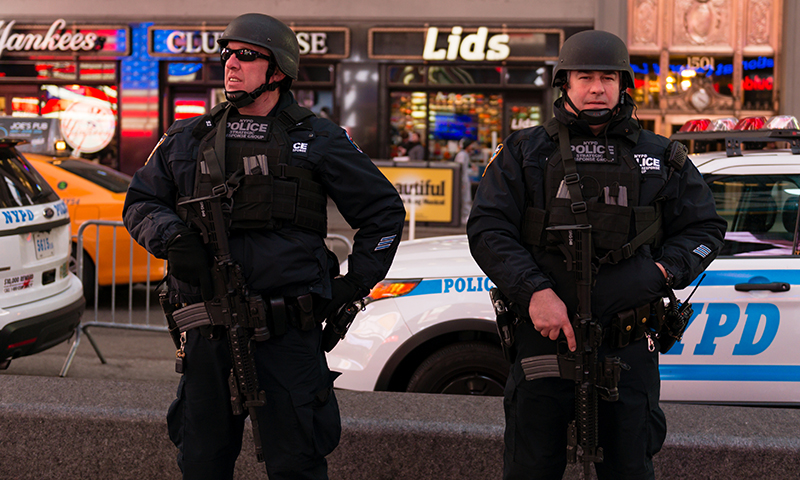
[(535, 76), (757, 82), (696, 72), (646, 88), (447, 75), (406, 74), (442, 118)]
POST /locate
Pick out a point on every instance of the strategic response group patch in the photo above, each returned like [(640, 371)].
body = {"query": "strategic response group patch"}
[(247, 129), (593, 151)]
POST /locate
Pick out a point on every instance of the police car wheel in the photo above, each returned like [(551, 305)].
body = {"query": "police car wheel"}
[(470, 368)]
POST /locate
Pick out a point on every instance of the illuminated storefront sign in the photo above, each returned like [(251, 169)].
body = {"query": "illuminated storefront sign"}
[(472, 47), (471, 44), (63, 39), (430, 189), (173, 41)]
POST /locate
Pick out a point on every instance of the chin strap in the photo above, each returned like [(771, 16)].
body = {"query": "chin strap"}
[(594, 117), (240, 98)]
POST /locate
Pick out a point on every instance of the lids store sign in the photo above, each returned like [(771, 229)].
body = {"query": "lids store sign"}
[(465, 44), (62, 39)]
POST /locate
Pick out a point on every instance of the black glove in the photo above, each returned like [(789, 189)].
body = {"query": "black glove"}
[(346, 290), (189, 262)]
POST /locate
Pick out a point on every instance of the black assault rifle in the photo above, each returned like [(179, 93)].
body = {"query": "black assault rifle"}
[(592, 377), (236, 308)]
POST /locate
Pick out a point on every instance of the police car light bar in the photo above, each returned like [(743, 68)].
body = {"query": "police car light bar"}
[(781, 128)]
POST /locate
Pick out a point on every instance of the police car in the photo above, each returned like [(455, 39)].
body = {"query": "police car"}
[(41, 302), (429, 326)]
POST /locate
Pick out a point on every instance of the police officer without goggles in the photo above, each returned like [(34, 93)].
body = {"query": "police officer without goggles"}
[(629, 184), (280, 162)]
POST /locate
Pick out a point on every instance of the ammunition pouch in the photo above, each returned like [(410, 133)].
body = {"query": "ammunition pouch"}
[(631, 325)]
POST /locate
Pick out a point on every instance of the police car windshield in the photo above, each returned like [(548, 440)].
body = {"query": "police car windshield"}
[(21, 185), (101, 175)]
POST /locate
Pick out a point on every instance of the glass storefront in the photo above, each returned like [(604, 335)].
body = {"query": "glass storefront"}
[(443, 118), (444, 104), (87, 109)]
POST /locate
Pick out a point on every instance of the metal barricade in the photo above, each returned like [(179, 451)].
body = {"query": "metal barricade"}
[(158, 325)]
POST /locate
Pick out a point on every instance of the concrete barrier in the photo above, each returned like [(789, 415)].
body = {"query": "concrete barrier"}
[(105, 429)]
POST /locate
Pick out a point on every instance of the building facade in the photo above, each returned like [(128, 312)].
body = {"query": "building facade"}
[(118, 74)]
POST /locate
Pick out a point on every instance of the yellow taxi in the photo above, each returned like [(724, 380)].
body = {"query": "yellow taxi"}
[(96, 192)]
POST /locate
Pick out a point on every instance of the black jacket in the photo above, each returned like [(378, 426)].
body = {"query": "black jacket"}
[(289, 261), (693, 231)]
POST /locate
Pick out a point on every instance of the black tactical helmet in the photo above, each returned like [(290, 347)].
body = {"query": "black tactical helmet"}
[(592, 50), (270, 33)]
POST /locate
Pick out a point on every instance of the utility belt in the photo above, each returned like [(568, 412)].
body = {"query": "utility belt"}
[(268, 318), (626, 327)]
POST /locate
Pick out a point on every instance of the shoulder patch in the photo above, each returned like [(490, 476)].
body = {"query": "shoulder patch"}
[(352, 142), (494, 155), (163, 137)]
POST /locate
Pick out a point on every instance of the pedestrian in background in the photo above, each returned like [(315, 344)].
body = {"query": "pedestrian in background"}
[(466, 147)]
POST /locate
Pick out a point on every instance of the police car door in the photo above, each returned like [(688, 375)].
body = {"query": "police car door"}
[(742, 343)]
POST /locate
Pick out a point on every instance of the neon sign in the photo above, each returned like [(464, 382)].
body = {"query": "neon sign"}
[(58, 39)]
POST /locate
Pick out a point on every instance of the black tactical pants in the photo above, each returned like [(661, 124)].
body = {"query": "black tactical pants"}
[(631, 430), (299, 424)]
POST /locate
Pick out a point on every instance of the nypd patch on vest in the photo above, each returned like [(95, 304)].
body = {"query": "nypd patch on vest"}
[(248, 129), (593, 151)]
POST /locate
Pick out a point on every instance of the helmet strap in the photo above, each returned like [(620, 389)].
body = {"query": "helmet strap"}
[(592, 117)]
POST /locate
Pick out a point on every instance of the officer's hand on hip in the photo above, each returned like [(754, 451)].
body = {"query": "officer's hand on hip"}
[(549, 316), (189, 262)]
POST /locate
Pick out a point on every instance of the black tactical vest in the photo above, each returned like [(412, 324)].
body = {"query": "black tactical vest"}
[(264, 192), (598, 184)]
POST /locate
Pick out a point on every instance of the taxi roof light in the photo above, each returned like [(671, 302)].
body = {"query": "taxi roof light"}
[(392, 289)]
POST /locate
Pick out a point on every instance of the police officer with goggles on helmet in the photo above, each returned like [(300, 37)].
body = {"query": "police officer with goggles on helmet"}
[(654, 226), (276, 165)]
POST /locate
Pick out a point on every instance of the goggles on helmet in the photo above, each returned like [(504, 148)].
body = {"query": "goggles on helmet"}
[(243, 54)]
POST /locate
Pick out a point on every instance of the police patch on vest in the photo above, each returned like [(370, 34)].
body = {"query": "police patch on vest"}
[(647, 162), (248, 129), (593, 151)]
